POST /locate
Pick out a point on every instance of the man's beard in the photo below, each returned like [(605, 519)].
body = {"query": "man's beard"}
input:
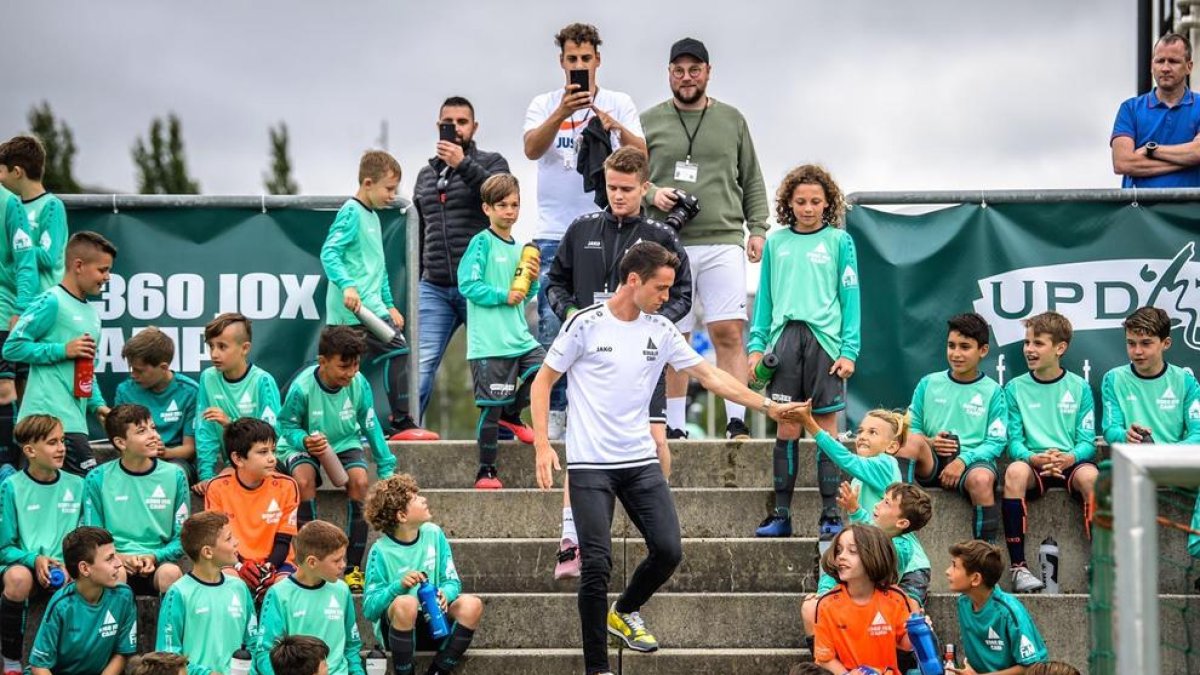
[(700, 91)]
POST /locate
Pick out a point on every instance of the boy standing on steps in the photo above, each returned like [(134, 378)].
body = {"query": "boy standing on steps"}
[(22, 164)]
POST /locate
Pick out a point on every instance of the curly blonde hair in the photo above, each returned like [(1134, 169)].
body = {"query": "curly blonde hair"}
[(388, 498), (810, 174)]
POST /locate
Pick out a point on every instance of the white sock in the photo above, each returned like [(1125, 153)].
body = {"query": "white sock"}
[(568, 529), (733, 410), (677, 412), (9, 664)]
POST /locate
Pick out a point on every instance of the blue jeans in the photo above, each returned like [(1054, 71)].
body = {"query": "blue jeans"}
[(442, 310), (548, 322)]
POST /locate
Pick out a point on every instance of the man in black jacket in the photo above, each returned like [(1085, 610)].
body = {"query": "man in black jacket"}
[(447, 200)]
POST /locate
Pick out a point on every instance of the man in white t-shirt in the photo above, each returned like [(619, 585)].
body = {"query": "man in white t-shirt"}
[(554, 125), (615, 352)]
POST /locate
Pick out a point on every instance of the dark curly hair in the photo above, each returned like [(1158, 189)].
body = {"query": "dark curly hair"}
[(389, 497), (810, 174), (579, 33)]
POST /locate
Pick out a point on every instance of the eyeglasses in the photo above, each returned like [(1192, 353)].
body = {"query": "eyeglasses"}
[(678, 72)]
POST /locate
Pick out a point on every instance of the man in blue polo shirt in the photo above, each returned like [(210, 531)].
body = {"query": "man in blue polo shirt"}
[(1155, 142)]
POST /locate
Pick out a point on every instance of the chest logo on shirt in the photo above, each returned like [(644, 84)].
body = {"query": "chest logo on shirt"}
[(109, 627), (974, 407), (347, 412), (334, 611), (1067, 404), (819, 255), (594, 243), (21, 241), (879, 626), (246, 404), (157, 501), (272, 514), (651, 350), (1168, 401), (994, 642), (68, 504), (235, 608), (172, 413)]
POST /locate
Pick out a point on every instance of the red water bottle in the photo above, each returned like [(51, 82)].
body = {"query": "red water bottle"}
[(85, 376)]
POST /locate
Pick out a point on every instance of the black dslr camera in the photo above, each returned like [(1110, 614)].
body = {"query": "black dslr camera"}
[(686, 207)]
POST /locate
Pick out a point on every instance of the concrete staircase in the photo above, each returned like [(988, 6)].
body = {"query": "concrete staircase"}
[(733, 605)]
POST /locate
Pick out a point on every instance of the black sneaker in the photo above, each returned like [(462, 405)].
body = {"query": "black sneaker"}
[(673, 433), (828, 529), (736, 430)]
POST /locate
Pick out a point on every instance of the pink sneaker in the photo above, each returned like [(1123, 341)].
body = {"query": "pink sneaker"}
[(569, 561), (520, 431)]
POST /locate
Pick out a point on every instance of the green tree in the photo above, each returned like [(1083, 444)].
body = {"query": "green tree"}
[(162, 168), (59, 142), (278, 180)]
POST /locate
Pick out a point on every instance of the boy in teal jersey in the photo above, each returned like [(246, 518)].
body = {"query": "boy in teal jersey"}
[(231, 388), (301, 655), (18, 287), (1150, 400), (353, 259), (958, 421), (1051, 437), (38, 507), (313, 601), (90, 625), (503, 354), (996, 632), (170, 396), (413, 550), (57, 330), (142, 501), (329, 409), (807, 313), (22, 163), (207, 614)]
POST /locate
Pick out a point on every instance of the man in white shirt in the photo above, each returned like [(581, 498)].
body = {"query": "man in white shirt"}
[(554, 125), (615, 352)]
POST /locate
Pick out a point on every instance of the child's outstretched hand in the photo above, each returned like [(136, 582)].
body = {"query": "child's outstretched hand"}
[(412, 578), (847, 498)]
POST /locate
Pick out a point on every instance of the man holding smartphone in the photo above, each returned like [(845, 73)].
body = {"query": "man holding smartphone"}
[(554, 124), (447, 199)]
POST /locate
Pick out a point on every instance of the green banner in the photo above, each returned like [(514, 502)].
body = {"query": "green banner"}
[(177, 268), (1093, 262)]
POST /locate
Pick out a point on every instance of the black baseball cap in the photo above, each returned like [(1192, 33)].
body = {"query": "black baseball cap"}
[(689, 47)]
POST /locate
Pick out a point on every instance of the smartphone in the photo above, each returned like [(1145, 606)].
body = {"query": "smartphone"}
[(447, 132), (581, 78)]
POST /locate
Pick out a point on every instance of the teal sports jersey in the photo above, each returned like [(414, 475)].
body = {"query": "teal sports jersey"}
[(206, 621), (325, 611), (1167, 404), (974, 411), (35, 516), (390, 559), (495, 329), (40, 339), (79, 638), (872, 475), (344, 415), (19, 283), (1058, 414), (810, 277), (352, 256), (254, 395), (143, 512), (48, 225), (1000, 635), (173, 408)]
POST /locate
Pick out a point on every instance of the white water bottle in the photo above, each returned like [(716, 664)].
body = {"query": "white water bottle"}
[(378, 327), (240, 663), (330, 462), (376, 661), (1048, 557)]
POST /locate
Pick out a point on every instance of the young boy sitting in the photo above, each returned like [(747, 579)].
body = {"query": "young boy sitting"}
[(38, 507), (1051, 437), (261, 504), (90, 625), (329, 408), (140, 500), (207, 615), (958, 425), (413, 550), (160, 663), (1150, 400), (995, 629), (313, 601), (300, 655), (170, 396), (231, 388), (503, 354)]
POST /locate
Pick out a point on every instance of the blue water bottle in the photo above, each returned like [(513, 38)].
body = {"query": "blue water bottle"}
[(428, 596), (924, 644), (57, 577)]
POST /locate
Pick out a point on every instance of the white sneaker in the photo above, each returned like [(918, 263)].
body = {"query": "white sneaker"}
[(1025, 581), (558, 425)]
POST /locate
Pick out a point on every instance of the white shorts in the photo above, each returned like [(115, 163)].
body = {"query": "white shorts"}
[(718, 284)]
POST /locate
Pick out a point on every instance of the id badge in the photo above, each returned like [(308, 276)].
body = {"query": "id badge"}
[(686, 171), (601, 296)]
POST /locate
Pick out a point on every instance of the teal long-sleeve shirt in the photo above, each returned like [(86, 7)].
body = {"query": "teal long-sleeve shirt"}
[(390, 559), (324, 611), (1168, 404), (48, 222), (495, 329), (255, 394), (19, 283), (872, 474), (27, 532), (1058, 414), (975, 411), (207, 621), (143, 511), (352, 257)]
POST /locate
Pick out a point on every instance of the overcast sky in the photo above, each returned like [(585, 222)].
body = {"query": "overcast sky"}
[(933, 94)]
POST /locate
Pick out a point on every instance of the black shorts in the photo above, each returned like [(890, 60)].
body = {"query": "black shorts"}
[(934, 480), (38, 592), (189, 469), (498, 379), (11, 370), (658, 401), (803, 371), (350, 459), (142, 586), (424, 641), (1043, 483), (80, 459)]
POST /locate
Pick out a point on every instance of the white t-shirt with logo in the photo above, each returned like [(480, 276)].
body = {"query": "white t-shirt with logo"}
[(614, 366), (560, 195)]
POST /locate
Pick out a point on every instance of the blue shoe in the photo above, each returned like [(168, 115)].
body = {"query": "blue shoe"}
[(775, 525), (828, 528)]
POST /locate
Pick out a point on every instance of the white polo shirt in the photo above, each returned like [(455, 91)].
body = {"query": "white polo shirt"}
[(614, 366)]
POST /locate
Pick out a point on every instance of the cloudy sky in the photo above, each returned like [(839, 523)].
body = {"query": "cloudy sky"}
[(926, 94)]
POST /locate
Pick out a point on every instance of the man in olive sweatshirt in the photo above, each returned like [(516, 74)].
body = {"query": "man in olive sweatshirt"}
[(703, 147)]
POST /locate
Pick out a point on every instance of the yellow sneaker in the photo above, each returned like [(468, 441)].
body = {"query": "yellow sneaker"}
[(631, 630), (355, 580)]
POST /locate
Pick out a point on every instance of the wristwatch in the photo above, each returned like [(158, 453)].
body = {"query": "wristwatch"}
[(1150, 148)]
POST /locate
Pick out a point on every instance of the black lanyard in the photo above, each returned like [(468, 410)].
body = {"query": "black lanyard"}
[(691, 136), (616, 252)]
